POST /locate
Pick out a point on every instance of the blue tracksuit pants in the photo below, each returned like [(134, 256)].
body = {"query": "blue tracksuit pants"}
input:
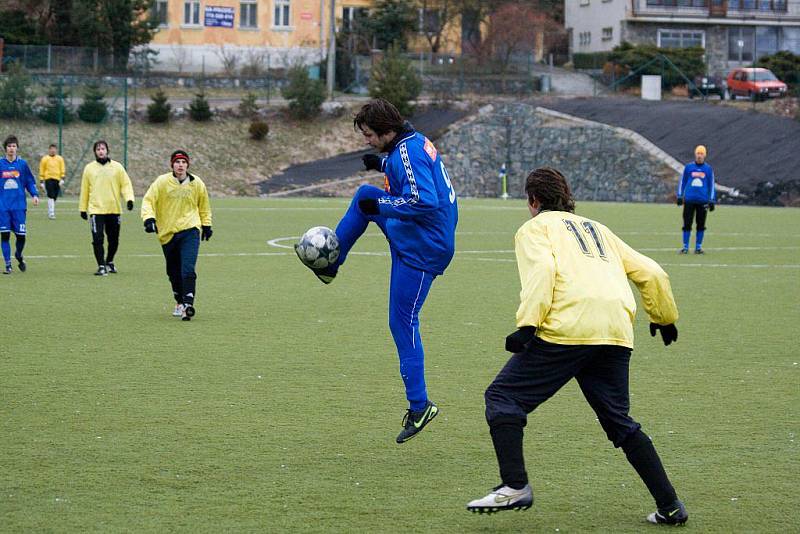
[(408, 288)]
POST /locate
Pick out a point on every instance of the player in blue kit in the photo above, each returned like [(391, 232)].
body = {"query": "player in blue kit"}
[(15, 178), (698, 196), (417, 212)]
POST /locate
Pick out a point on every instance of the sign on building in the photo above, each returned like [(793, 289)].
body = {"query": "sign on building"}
[(218, 17)]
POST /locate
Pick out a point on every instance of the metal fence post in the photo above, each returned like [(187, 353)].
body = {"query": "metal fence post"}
[(60, 113), (49, 58), (125, 123)]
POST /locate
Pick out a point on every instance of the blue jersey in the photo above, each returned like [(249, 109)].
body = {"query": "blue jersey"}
[(697, 184), (420, 204), (15, 177)]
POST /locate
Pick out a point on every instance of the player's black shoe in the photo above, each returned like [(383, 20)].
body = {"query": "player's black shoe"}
[(188, 312), (503, 498), (674, 514), (413, 422), (326, 275), (22, 265), (111, 268), (699, 251), (683, 251), (7, 270), (101, 271)]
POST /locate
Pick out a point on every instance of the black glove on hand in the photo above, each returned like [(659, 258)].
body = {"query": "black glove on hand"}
[(130, 205), (711, 207), (679, 202), (669, 332), (205, 233), (150, 226), (372, 162), (84, 216), (519, 340), (368, 206)]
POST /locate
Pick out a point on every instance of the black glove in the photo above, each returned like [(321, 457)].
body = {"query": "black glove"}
[(372, 162), (711, 207), (130, 205), (679, 202), (205, 233), (84, 216), (669, 332), (368, 206), (519, 340), (150, 226)]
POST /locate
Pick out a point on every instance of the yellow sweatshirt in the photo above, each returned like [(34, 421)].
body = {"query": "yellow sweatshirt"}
[(176, 206), (101, 187), (51, 168), (574, 274)]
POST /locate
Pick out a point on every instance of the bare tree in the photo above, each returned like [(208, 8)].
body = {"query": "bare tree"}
[(180, 56), (436, 17), (229, 58), (512, 30), (255, 62)]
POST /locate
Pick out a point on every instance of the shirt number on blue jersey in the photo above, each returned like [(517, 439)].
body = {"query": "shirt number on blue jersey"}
[(449, 184), (591, 230)]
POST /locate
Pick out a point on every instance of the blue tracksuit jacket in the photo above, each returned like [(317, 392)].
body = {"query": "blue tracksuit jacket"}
[(697, 184)]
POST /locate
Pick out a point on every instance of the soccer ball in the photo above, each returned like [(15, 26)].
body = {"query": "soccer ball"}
[(318, 248)]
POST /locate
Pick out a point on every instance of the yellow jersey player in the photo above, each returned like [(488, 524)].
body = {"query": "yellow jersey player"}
[(104, 181), (51, 173), (176, 207), (575, 320)]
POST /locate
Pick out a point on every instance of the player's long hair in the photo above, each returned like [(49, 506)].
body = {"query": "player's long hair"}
[(381, 116), (551, 189)]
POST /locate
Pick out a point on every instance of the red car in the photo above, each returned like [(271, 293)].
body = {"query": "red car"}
[(755, 84)]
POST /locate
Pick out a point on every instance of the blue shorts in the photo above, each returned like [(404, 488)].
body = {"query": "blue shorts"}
[(13, 221)]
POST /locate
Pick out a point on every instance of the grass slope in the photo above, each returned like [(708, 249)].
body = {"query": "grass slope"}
[(277, 407)]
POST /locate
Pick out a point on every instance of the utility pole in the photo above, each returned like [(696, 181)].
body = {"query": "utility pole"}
[(321, 30), (332, 51)]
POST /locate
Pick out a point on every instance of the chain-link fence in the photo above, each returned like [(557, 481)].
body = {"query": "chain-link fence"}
[(60, 59)]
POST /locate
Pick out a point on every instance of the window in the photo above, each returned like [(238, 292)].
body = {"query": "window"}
[(248, 14), (681, 38), (608, 33), (766, 40), (160, 13), (281, 14), (585, 38), (352, 15), (191, 13), (790, 39), (741, 43)]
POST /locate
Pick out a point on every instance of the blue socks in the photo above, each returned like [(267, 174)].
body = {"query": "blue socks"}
[(6, 246), (686, 235), (698, 242)]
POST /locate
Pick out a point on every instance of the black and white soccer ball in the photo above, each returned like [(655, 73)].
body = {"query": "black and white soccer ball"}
[(318, 248)]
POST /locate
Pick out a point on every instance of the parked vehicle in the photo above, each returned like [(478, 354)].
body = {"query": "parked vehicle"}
[(708, 85), (755, 84)]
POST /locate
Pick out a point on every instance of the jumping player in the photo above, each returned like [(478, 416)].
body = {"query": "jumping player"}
[(104, 180), (176, 207), (15, 178), (697, 194), (417, 212), (575, 320)]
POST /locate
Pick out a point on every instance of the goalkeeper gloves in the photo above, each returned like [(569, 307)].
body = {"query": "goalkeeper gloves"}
[(519, 340), (84, 216), (150, 226), (711, 207), (130, 205), (368, 206), (679, 202), (205, 233), (669, 332), (372, 162)]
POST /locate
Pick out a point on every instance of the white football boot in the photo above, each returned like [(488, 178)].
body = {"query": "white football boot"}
[(503, 498)]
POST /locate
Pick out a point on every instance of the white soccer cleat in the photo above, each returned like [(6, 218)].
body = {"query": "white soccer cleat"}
[(178, 311), (503, 498)]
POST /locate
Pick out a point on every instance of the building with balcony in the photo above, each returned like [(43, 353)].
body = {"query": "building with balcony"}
[(734, 33)]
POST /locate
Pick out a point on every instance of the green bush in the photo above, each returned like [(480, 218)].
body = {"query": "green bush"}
[(304, 94), (93, 109), (395, 79), (158, 111), (258, 129), (58, 103), (594, 60), (16, 99), (248, 107), (784, 65), (199, 110), (690, 62)]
